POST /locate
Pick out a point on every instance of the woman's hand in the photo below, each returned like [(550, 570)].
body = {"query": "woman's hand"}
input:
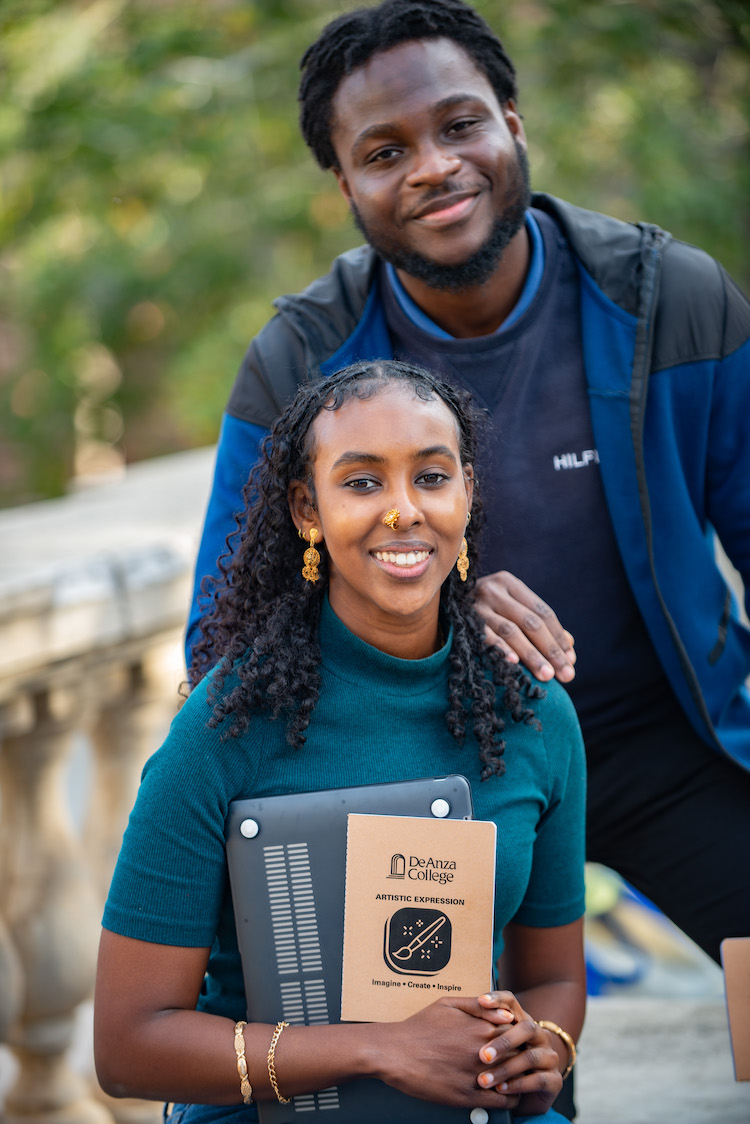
[(520, 1061), (524, 627), (435, 1054)]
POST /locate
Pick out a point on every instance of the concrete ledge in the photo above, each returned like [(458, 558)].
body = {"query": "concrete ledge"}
[(100, 567), (658, 1061)]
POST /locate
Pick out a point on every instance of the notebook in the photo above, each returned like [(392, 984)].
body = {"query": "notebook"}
[(735, 959), (287, 866)]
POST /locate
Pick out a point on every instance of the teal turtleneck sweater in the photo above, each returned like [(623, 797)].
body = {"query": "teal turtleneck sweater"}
[(378, 719)]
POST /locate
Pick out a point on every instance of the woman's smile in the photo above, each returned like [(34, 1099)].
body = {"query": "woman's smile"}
[(403, 561)]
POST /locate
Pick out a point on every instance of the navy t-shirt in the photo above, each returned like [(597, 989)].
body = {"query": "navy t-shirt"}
[(547, 518)]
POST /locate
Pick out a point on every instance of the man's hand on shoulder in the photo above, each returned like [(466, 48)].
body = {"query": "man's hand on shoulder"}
[(524, 627)]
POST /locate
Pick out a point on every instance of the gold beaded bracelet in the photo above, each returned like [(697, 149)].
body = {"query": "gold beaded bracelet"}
[(558, 1030), (272, 1062), (239, 1048)]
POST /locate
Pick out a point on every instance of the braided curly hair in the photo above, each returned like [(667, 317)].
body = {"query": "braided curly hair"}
[(261, 620)]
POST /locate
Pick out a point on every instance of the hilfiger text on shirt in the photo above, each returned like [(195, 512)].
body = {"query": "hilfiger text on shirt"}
[(573, 460)]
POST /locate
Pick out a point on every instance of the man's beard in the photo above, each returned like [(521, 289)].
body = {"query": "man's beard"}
[(481, 265)]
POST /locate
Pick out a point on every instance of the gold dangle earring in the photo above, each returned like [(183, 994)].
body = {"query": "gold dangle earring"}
[(311, 557), (462, 562)]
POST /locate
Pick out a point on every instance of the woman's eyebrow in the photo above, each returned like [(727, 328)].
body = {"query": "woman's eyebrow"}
[(353, 457), (436, 451)]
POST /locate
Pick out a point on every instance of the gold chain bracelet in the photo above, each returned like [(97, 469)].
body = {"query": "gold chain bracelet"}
[(272, 1062), (558, 1030), (239, 1048)]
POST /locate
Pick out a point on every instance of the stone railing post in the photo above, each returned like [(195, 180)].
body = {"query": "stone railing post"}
[(51, 910), (11, 977), (137, 701)]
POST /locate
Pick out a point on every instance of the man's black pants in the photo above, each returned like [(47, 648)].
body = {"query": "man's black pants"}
[(672, 816)]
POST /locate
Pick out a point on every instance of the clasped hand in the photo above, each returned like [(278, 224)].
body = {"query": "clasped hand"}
[(481, 1052)]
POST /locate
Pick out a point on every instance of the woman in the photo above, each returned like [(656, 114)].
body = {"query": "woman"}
[(368, 644)]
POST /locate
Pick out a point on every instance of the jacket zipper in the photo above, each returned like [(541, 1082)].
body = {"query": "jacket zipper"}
[(648, 295)]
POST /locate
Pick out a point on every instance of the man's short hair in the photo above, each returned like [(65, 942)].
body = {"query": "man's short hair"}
[(349, 41)]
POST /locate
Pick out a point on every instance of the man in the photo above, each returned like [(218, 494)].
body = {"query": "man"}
[(615, 364)]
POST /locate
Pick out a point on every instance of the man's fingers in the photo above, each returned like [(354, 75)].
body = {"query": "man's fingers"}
[(520, 622), (516, 646), (493, 638)]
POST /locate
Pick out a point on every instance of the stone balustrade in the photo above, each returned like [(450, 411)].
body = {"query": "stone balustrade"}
[(93, 595)]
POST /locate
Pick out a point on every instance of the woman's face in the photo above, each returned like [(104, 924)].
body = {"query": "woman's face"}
[(393, 450)]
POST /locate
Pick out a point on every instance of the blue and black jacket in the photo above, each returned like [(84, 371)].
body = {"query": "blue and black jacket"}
[(666, 337)]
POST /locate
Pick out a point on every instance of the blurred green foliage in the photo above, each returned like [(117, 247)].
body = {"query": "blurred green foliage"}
[(155, 194)]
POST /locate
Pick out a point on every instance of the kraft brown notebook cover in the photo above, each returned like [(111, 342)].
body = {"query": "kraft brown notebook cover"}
[(418, 914), (735, 958)]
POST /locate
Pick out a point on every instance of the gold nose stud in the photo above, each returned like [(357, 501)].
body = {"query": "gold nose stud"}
[(390, 519)]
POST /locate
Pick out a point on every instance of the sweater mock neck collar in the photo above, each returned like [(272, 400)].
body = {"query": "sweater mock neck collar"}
[(348, 657)]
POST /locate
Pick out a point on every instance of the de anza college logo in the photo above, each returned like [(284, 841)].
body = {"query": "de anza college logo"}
[(417, 942)]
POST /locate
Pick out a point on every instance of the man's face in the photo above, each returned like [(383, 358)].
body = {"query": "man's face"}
[(433, 168)]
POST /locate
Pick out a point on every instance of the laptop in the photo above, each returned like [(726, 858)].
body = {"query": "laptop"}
[(287, 869)]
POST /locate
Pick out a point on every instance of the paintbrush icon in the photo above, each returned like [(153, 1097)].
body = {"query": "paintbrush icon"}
[(407, 950)]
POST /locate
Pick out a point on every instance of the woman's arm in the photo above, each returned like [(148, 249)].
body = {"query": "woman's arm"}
[(148, 1039), (151, 1042), (544, 972)]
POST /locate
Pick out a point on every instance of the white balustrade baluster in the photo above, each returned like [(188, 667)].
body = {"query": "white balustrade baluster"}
[(51, 910)]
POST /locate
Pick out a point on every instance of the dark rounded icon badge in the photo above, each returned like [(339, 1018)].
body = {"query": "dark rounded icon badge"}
[(417, 941)]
